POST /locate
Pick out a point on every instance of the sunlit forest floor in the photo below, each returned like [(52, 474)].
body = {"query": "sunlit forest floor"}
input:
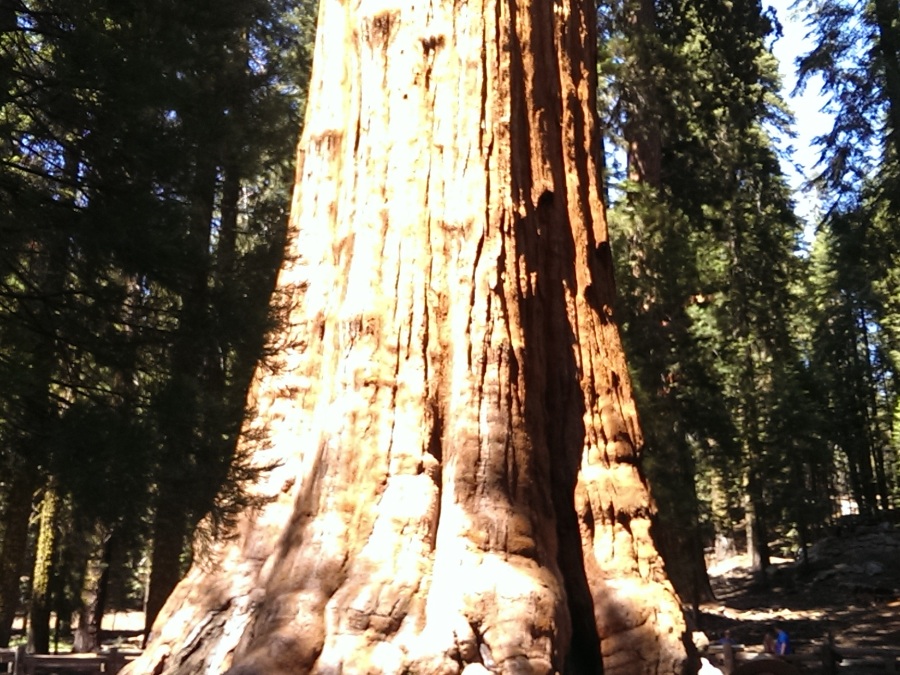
[(850, 588)]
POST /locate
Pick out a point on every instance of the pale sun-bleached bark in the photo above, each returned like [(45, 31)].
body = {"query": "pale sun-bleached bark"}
[(457, 487)]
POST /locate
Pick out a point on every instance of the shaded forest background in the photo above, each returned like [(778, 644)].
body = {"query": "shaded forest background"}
[(146, 163)]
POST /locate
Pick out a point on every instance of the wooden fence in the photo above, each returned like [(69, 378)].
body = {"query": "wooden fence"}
[(823, 657), (16, 661)]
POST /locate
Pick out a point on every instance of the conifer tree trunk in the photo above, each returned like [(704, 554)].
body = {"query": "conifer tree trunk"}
[(170, 534), (51, 264), (458, 486), (16, 517), (43, 572), (642, 126), (182, 407), (94, 590)]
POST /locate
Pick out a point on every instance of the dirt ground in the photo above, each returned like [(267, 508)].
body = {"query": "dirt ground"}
[(849, 588)]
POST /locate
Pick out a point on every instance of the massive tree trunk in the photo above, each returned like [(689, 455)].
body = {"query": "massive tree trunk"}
[(458, 484)]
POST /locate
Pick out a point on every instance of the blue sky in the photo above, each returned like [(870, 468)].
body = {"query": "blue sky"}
[(810, 121)]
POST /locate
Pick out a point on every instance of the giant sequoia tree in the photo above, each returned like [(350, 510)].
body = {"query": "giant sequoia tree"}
[(457, 482)]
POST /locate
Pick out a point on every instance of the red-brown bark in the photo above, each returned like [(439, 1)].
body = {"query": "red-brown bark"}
[(459, 487)]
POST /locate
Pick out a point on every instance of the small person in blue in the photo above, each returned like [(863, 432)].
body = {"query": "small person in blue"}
[(777, 641)]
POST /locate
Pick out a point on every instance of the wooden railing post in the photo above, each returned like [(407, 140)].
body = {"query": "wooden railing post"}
[(115, 661)]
